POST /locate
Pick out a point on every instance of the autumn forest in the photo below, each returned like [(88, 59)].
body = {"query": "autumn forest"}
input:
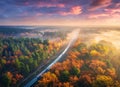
[(85, 66), (91, 60)]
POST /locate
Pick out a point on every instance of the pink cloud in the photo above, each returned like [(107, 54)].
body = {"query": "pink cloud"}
[(96, 4), (39, 14), (26, 3), (64, 13), (108, 12), (75, 10), (98, 15), (114, 10), (61, 5), (117, 5), (116, 15), (42, 4)]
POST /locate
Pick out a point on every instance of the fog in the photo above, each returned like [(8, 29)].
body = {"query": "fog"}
[(95, 35)]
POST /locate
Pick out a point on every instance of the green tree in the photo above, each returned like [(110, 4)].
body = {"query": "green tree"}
[(17, 63), (46, 42), (74, 71), (6, 80), (81, 46), (64, 76), (35, 64), (27, 68)]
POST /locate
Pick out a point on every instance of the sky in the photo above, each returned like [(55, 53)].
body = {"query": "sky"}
[(60, 12)]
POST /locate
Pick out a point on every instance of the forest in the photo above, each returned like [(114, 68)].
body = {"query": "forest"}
[(85, 66), (21, 56)]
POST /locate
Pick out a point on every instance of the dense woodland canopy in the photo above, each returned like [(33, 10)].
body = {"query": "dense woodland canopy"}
[(21, 56), (85, 66), (25, 49)]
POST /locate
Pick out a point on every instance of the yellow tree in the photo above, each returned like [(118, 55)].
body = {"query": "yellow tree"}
[(103, 81), (48, 79)]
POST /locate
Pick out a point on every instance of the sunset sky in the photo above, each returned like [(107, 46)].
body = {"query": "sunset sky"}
[(60, 12)]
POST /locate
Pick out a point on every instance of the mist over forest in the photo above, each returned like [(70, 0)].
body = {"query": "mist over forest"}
[(92, 60)]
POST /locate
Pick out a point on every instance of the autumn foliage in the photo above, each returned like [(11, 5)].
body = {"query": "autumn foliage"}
[(84, 66), (21, 56)]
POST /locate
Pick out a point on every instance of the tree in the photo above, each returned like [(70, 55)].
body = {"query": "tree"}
[(3, 62), (46, 42), (35, 64), (17, 63), (81, 46), (48, 80), (6, 80), (94, 53), (27, 68), (64, 76), (74, 71), (103, 81), (84, 81)]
